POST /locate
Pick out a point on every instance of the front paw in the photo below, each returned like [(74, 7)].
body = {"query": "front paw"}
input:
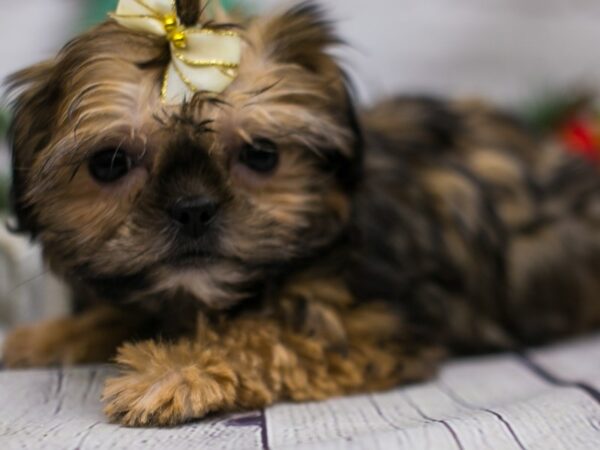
[(168, 385), (39, 345)]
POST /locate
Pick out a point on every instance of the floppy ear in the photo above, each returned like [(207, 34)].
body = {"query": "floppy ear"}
[(35, 93), (303, 36)]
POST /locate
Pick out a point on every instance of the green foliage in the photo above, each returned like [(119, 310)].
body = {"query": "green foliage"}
[(230, 4), (4, 190), (4, 181), (549, 111), (98, 9), (3, 123)]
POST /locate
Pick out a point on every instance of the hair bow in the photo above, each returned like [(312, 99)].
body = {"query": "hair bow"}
[(202, 59)]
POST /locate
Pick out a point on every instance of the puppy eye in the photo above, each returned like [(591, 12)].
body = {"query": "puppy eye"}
[(260, 156), (108, 165)]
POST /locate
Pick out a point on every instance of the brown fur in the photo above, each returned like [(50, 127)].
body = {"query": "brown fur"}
[(251, 362), (378, 244), (87, 338)]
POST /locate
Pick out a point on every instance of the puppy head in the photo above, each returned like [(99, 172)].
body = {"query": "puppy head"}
[(211, 197)]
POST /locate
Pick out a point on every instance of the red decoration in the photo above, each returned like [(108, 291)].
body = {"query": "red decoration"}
[(581, 136)]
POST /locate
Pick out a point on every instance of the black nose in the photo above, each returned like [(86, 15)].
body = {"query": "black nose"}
[(194, 214)]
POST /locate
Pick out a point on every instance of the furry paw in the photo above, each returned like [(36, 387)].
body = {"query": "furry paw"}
[(46, 344), (88, 338), (168, 385)]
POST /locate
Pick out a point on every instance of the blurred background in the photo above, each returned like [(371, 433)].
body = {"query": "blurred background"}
[(509, 51)]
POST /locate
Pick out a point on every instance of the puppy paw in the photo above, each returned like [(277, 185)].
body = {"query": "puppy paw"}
[(38, 345), (90, 337), (167, 385)]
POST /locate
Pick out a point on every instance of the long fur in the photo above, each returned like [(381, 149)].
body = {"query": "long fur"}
[(383, 240)]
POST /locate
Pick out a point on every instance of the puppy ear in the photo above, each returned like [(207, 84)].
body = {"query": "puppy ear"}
[(35, 94), (303, 36)]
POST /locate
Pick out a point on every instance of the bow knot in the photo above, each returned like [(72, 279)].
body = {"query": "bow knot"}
[(202, 59), (174, 31)]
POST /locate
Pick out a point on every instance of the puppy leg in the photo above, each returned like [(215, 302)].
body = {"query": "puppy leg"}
[(254, 361), (90, 337)]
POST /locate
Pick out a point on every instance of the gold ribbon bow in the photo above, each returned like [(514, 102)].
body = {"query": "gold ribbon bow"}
[(202, 59)]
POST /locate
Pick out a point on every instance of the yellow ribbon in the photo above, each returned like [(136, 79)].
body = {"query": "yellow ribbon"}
[(202, 59)]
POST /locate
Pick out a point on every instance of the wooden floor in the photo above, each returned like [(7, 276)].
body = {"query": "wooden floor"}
[(545, 399)]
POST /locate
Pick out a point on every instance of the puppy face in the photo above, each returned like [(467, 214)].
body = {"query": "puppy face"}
[(212, 197)]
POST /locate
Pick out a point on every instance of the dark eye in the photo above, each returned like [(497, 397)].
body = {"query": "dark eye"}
[(260, 156), (108, 165)]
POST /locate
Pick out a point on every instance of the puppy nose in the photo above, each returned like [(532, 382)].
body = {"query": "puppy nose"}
[(194, 214)]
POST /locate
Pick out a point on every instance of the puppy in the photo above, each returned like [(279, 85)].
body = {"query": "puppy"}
[(268, 242)]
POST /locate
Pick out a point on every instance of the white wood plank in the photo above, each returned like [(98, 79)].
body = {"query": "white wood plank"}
[(60, 409), (495, 403), (492, 402), (536, 413), (575, 361)]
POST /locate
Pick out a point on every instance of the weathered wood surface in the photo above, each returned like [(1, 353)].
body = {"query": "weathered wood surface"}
[(575, 362), (544, 399)]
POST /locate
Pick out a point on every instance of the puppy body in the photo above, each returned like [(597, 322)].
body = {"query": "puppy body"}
[(470, 218), (369, 247)]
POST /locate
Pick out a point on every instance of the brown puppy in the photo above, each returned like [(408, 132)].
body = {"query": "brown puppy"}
[(267, 243)]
